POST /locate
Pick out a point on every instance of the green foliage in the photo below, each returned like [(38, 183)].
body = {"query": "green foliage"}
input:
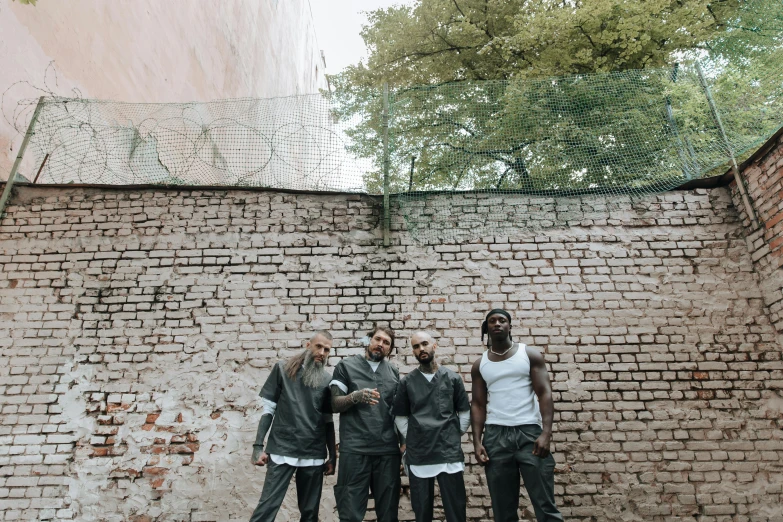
[(28, 2), (561, 96), (452, 40)]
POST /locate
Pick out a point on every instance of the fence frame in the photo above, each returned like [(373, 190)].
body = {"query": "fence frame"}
[(729, 150), (9, 184), (386, 167)]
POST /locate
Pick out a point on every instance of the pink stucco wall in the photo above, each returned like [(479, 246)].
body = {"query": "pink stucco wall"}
[(153, 51)]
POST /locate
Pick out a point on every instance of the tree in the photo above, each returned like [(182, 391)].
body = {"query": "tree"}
[(548, 95)]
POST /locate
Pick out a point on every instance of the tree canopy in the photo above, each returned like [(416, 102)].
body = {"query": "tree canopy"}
[(451, 40), (550, 95)]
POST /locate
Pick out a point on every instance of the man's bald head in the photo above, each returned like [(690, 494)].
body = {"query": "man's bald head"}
[(323, 333), (423, 345), (421, 335)]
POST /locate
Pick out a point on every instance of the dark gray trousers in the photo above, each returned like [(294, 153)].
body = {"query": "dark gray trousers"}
[(309, 483), (510, 451), (357, 475), (452, 492)]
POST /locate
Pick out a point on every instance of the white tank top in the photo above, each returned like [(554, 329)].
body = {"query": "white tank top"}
[(511, 400)]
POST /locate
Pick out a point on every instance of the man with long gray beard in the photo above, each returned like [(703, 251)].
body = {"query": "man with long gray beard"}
[(296, 395), (363, 388), (432, 412)]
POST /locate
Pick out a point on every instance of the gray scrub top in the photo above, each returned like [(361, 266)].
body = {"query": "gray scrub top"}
[(433, 424), (299, 428), (366, 429)]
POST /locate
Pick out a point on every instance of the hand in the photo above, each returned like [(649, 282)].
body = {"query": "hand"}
[(262, 460), (330, 466), (481, 454), (541, 447), (402, 448), (365, 396)]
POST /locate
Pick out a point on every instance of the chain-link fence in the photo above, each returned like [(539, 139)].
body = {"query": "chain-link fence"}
[(609, 136)]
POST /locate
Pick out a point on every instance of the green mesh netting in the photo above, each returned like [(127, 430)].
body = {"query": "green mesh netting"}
[(619, 134), (498, 155), (508, 154)]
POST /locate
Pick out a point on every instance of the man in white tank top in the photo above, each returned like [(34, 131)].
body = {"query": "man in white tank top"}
[(511, 415)]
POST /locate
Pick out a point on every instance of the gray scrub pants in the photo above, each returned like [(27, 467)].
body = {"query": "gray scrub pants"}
[(510, 451), (357, 475), (452, 492), (309, 482)]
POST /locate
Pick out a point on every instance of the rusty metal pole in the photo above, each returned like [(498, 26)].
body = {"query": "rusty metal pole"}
[(9, 185), (410, 180), (729, 150), (40, 169), (386, 161)]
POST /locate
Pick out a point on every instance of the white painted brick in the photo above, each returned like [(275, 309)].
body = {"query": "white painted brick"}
[(659, 332)]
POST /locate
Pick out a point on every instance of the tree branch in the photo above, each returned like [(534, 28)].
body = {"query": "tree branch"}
[(587, 36)]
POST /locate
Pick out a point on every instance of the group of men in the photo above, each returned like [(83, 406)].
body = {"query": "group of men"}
[(417, 421)]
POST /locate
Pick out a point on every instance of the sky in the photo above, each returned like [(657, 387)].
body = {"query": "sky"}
[(337, 26)]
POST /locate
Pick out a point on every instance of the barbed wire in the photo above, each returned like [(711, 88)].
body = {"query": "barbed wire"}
[(286, 143), (17, 110)]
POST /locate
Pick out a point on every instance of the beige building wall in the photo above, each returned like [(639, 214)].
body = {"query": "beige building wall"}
[(152, 51)]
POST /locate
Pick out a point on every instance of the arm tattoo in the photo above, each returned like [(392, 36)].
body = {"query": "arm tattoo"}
[(263, 428), (342, 402)]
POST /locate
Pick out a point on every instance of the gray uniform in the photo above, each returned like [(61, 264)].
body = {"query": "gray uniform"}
[(369, 449), (298, 431), (434, 438)]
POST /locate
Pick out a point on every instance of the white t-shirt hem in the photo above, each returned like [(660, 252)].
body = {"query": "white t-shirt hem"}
[(433, 470), (297, 463)]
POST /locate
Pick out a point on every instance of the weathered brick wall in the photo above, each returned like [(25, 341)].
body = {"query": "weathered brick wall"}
[(763, 175), (136, 329)]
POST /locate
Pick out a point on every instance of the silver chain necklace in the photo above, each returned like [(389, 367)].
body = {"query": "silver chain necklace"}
[(501, 354)]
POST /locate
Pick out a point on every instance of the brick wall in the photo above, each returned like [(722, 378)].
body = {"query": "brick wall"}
[(136, 329), (763, 175)]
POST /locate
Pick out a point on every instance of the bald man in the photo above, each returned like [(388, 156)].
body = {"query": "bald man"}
[(432, 413)]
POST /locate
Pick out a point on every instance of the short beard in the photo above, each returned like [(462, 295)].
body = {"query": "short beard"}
[(375, 357), (313, 372), (429, 366)]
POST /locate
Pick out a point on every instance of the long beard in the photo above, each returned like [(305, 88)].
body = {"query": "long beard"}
[(313, 372)]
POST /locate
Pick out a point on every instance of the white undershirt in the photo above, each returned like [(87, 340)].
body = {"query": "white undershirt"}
[(297, 463), (511, 399), (433, 470), (269, 409)]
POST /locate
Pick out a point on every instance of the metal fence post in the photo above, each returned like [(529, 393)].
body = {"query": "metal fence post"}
[(686, 167), (729, 150), (12, 177), (386, 161)]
